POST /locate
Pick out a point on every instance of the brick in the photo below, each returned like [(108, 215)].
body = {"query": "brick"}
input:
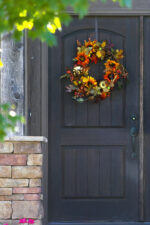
[(27, 147), (9, 222), (35, 160), (16, 222), (26, 172), (27, 190), (29, 209), (38, 222), (5, 210), (35, 183), (13, 159), (13, 182), (15, 197), (6, 147), (32, 197), (5, 191), (5, 171)]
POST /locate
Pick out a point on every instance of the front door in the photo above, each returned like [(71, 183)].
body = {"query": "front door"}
[(93, 173)]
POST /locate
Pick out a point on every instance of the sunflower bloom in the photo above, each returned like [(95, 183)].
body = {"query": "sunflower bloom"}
[(109, 76), (111, 65), (88, 81), (90, 44), (82, 59)]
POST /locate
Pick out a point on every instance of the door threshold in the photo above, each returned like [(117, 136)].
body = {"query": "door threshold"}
[(99, 223)]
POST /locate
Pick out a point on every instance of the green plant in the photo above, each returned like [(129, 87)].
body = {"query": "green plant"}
[(44, 16), (8, 120)]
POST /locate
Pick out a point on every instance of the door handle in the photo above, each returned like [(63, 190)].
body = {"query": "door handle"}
[(133, 134)]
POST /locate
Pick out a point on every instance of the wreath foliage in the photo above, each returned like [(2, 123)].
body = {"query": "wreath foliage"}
[(84, 86)]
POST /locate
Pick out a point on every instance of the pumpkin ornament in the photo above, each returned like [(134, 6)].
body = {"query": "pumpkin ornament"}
[(85, 87)]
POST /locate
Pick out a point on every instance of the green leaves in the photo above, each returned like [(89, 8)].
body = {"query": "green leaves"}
[(41, 13), (125, 3), (65, 76), (8, 120)]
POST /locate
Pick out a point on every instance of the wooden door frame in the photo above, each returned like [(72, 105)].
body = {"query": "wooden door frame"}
[(36, 102)]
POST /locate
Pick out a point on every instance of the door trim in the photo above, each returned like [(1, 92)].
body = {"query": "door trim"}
[(141, 124), (139, 8), (102, 223)]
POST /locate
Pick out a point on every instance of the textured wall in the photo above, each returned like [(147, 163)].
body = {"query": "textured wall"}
[(12, 75), (20, 182)]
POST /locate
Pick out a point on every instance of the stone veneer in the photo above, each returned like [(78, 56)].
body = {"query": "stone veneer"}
[(21, 161)]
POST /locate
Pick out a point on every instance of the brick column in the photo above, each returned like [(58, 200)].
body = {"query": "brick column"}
[(21, 161)]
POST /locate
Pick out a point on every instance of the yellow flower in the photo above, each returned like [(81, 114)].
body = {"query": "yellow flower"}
[(103, 44), (23, 13), (119, 54), (89, 81), (98, 54), (1, 64), (75, 83), (52, 27)]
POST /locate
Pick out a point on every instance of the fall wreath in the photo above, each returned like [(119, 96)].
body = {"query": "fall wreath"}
[(84, 86)]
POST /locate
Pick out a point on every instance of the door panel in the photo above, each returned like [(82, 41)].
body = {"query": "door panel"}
[(92, 176), (93, 172), (82, 115)]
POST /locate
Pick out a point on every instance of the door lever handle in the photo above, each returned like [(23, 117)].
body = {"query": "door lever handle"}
[(133, 134)]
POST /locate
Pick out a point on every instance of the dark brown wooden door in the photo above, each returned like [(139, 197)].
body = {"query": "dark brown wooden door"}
[(92, 175)]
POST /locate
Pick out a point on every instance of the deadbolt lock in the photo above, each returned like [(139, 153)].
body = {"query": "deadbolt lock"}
[(133, 117)]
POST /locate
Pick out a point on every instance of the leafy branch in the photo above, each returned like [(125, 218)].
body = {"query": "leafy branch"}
[(42, 18), (8, 120)]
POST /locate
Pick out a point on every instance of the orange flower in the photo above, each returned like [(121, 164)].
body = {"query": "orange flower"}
[(104, 95), (110, 76), (93, 58), (90, 43), (82, 59), (111, 65)]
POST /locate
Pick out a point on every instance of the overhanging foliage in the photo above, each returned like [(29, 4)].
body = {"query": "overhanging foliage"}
[(16, 15)]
